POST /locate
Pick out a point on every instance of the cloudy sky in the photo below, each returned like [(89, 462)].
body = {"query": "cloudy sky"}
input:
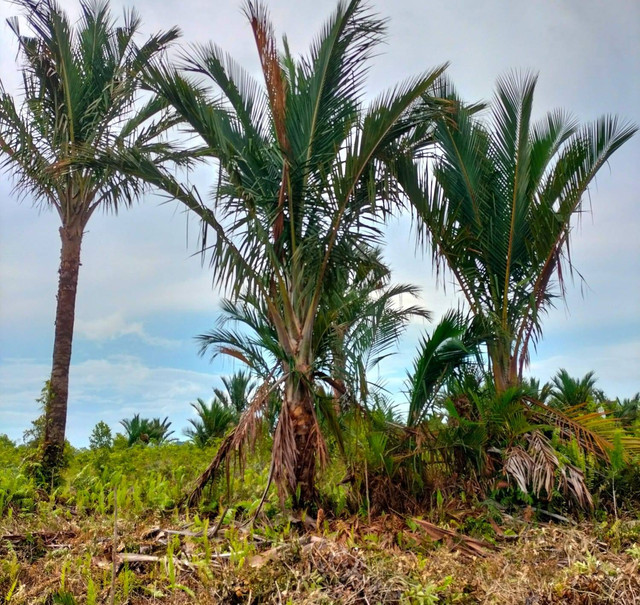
[(143, 295)]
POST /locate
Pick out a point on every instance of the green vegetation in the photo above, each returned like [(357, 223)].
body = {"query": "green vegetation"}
[(303, 481)]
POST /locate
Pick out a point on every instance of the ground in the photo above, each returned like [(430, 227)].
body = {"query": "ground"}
[(177, 558)]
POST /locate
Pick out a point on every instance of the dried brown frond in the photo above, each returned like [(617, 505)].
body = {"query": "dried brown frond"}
[(210, 472), (246, 431), (540, 468), (545, 464), (572, 482), (264, 35), (518, 464), (284, 454), (235, 354), (317, 442), (456, 541)]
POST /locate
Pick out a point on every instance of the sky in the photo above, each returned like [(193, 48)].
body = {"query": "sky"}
[(144, 295)]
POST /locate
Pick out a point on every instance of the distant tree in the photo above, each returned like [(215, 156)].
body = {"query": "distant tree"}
[(120, 442), (80, 97), (5, 441), (100, 437), (239, 388), (567, 391), (212, 422), (628, 410), (145, 430), (536, 390)]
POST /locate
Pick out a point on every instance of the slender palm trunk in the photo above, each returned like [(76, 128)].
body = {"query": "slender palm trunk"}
[(56, 409), (299, 401)]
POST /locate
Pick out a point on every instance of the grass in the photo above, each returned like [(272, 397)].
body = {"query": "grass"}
[(58, 548)]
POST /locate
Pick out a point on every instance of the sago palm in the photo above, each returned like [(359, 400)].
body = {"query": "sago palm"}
[(567, 392), (213, 421), (501, 208), (238, 391), (357, 322), (303, 184), (145, 430), (80, 97)]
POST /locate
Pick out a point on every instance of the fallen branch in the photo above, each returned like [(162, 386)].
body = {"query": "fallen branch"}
[(455, 541)]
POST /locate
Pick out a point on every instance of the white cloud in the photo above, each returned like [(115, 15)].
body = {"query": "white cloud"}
[(114, 326), (137, 266)]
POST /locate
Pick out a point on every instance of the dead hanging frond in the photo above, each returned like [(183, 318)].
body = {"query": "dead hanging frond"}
[(518, 464), (571, 482), (212, 470), (288, 455), (284, 455), (539, 469), (317, 442), (245, 431), (545, 464), (266, 44)]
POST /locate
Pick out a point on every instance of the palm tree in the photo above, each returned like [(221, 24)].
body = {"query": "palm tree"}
[(568, 392), (212, 422), (449, 349), (499, 211), (145, 430), (628, 411), (357, 322), (81, 97), (238, 393), (304, 182)]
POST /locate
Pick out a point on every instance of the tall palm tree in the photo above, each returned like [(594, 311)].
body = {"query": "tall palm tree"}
[(304, 182), (80, 97), (500, 210)]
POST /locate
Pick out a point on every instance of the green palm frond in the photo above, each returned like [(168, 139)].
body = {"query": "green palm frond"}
[(451, 344), (81, 86)]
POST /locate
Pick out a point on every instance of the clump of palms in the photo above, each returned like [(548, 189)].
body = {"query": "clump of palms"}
[(238, 391), (80, 98), (627, 411), (146, 430)]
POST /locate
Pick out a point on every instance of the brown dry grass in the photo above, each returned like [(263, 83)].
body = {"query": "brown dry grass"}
[(343, 561)]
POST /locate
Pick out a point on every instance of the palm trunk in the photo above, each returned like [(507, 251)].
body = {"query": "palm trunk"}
[(299, 401), (503, 364), (56, 408)]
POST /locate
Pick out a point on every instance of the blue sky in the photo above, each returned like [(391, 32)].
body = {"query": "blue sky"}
[(143, 295)]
